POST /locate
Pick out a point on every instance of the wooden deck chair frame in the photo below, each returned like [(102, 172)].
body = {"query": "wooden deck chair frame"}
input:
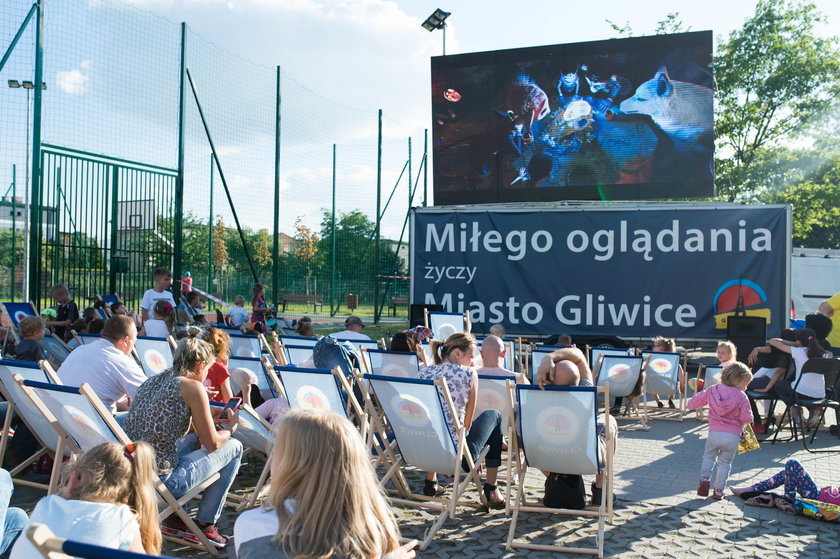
[(163, 347), (412, 367), (493, 395), (14, 312), (603, 512), (532, 363), (54, 349), (296, 340), (34, 421), (171, 504), (291, 354), (446, 507), (429, 317), (651, 368), (84, 338), (255, 344), (611, 361), (702, 373), (52, 547)]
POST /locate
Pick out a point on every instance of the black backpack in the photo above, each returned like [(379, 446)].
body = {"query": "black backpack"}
[(564, 491)]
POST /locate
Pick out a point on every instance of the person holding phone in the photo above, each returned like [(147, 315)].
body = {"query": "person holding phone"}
[(161, 414)]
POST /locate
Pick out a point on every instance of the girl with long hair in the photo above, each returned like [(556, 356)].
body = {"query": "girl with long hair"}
[(218, 377), (258, 304), (162, 323), (107, 498), (324, 499), (454, 362)]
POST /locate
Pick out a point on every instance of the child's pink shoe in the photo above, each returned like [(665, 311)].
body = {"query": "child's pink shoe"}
[(718, 494), (703, 487)]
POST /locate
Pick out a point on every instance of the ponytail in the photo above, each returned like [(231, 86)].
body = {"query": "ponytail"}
[(807, 338), (166, 312), (435, 346), (143, 498), (459, 340)]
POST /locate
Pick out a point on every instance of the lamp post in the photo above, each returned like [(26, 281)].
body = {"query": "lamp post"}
[(28, 86), (437, 21)]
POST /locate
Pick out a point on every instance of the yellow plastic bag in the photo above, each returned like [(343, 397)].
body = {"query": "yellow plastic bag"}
[(748, 440)]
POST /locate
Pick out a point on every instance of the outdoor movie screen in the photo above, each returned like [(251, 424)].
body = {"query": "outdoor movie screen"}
[(620, 119)]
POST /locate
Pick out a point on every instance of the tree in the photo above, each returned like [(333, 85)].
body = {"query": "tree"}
[(306, 248), (220, 251), (776, 82), (262, 249)]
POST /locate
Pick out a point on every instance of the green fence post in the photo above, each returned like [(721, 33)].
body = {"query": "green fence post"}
[(115, 218), (178, 248), (333, 307), (378, 221), (14, 229), (35, 207), (210, 233), (275, 253)]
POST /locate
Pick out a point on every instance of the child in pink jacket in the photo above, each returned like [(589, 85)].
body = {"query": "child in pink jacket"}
[(729, 411)]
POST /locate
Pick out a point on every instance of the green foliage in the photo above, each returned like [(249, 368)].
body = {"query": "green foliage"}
[(776, 82), (355, 248)]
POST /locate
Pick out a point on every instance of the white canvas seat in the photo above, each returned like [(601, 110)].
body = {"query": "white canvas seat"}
[(48, 546), (246, 346), (296, 354), (493, 395), (155, 355), (538, 352), (558, 433), (54, 349), (359, 344), (622, 373), (30, 415), (413, 409), (511, 362), (83, 422), (710, 376), (403, 364), (596, 352), (664, 376), (13, 313), (83, 338), (444, 324), (297, 340), (259, 368)]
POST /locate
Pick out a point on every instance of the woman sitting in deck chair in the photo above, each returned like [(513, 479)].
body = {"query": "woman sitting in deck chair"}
[(454, 361), (324, 496)]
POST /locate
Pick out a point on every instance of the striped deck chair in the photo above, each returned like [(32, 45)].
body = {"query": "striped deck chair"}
[(54, 349), (20, 405), (444, 324), (13, 313), (414, 411), (664, 376), (403, 364), (622, 373), (707, 377), (48, 545), (259, 368), (83, 422), (154, 355), (558, 433)]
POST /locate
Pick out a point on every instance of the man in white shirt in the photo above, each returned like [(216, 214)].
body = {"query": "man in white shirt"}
[(352, 330), (106, 364), (493, 357)]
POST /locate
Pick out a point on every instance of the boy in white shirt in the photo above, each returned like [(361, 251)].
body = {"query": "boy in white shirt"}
[(163, 279), (238, 315)]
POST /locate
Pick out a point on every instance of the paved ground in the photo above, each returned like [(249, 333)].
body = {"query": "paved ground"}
[(659, 514)]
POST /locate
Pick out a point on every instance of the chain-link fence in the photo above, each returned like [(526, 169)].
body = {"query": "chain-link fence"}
[(110, 158)]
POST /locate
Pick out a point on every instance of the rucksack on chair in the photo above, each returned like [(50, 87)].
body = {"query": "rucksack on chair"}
[(329, 353)]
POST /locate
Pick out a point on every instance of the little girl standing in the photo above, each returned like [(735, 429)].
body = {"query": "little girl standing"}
[(163, 323), (729, 411)]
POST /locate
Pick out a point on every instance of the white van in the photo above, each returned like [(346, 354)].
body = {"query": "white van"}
[(814, 277)]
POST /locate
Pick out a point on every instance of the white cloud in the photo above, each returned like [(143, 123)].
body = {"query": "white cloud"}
[(74, 82)]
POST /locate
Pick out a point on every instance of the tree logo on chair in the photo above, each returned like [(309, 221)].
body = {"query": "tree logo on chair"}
[(309, 397), (394, 370), (660, 365), (79, 425), (490, 401), (154, 360), (618, 369), (557, 425), (411, 410)]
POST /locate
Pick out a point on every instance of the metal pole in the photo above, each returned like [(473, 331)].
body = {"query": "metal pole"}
[(115, 209), (17, 37), (14, 227), (444, 38), (425, 166), (378, 222), (408, 211), (35, 210), (178, 248), (27, 207), (275, 256), (210, 232), (333, 307)]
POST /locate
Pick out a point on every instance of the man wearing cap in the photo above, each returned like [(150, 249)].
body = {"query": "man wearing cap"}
[(352, 330)]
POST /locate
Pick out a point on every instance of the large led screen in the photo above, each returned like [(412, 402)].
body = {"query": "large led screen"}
[(620, 119)]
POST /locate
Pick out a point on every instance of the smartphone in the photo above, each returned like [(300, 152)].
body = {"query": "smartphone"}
[(231, 407)]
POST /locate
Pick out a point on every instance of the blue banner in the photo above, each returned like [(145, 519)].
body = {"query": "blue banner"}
[(677, 271)]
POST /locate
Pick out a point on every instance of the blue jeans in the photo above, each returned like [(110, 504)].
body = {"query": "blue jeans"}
[(12, 519), (195, 466), (486, 429)]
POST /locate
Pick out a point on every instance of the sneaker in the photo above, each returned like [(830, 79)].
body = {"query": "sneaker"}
[(173, 526), (718, 494), (703, 487), (759, 428), (211, 532)]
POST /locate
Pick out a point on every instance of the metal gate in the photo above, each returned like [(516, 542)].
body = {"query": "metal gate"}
[(106, 224)]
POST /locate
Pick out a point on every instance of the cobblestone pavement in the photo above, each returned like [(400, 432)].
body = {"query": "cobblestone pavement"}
[(658, 513)]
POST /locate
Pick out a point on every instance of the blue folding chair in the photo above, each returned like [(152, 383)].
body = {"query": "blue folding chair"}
[(313, 388), (664, 376), (154, 355), (558, 432), (709, 376), (538, 352), (510, 362), (47, 544), (595, 353), (414, 411), (403, 364), (14, 313), (84, 338), (54, 350)]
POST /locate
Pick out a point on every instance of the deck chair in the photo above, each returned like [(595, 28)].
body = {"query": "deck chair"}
[(84, 338), (49, 546), (664, 377), (622, 373), (294, 355), (536, 355), (558, 433), (492, 395), (414, 411), (54, 349), (710, 376), (111, 298), (260, 368), (30, 415), (404, 364), (511, 363), (321, 389), (596, 352), (154, 355), (450, 322), (83, 422), (427, 351), (297, 340), (359, 344), (246, 346), (13, 313)]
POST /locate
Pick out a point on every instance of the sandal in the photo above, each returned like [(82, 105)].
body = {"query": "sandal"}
[(765, 500), (784, 505), (493, 502)]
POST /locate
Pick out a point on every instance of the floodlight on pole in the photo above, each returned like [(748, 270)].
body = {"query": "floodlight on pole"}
[(437, 21)]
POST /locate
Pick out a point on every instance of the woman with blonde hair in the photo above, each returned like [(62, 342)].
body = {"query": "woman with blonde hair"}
[(454, 362), (324, 498), (108, 498)]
